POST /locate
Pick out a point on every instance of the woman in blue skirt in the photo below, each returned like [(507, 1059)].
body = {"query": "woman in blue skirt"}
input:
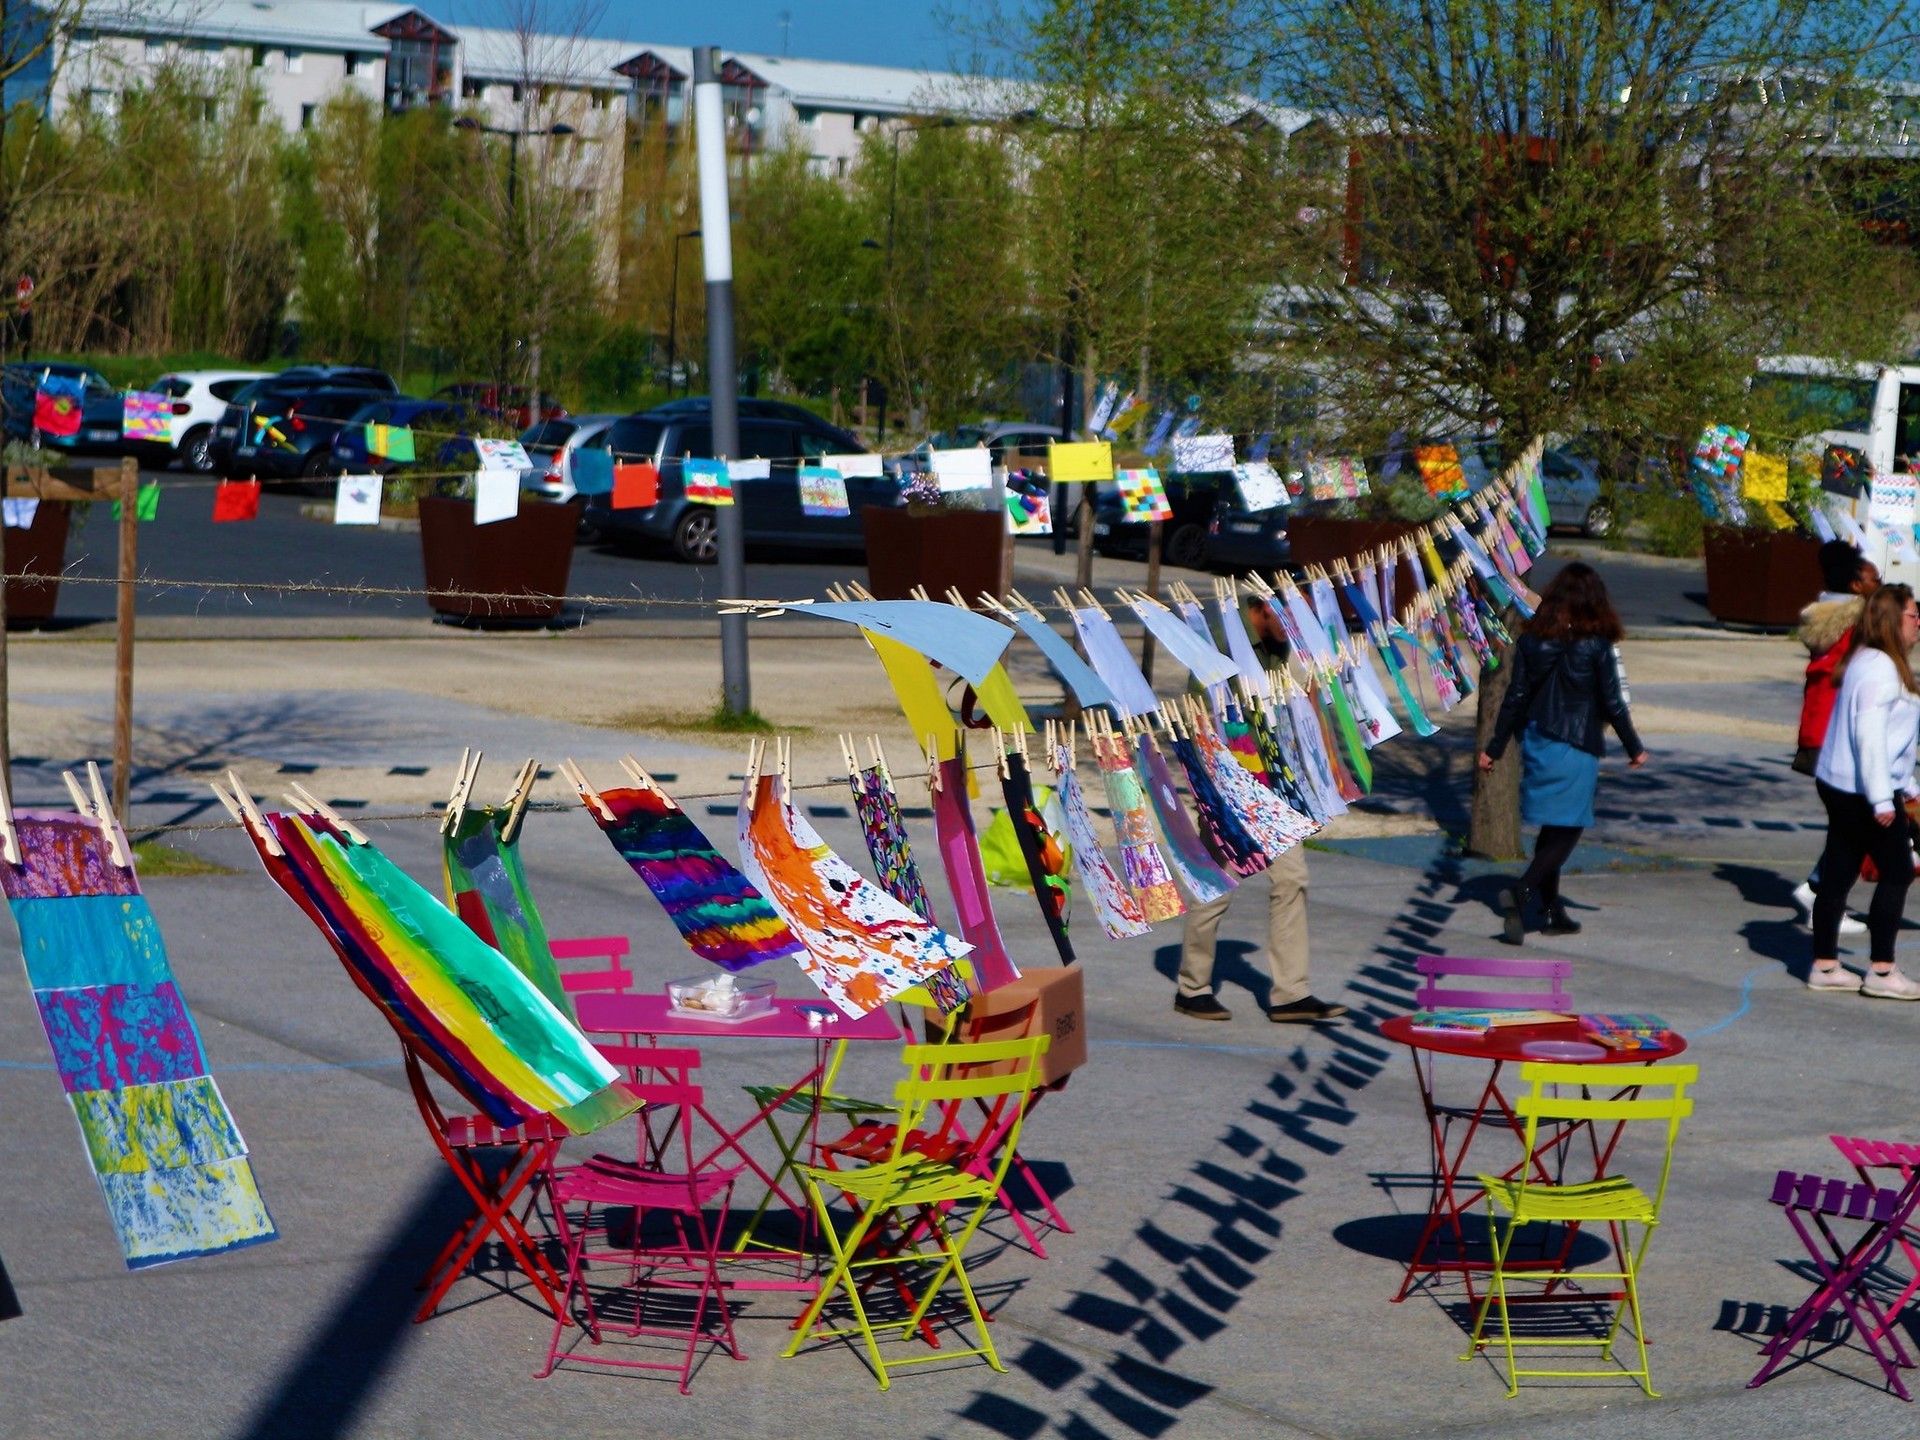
[(1567, 688)]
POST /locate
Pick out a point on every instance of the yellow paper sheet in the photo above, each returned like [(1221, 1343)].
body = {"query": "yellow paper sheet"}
[(1764, 477), (1003, 707), (1079, 463), (918, 690)]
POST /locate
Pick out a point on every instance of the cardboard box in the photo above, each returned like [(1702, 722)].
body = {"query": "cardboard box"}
[(1050, 1002)]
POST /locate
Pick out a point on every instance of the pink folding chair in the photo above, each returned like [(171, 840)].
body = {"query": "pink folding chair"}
[(1430, 996), (613, 975), (687, 1262)]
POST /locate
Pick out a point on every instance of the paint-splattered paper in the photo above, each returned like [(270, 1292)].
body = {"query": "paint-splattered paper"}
[(886, 836), (172, 1167), (1199, 454), (1440, 472), (823, 492), (1141, 861), (1114, 906), (862, 947), (709, 482), (1260, 486), (1028, 514)]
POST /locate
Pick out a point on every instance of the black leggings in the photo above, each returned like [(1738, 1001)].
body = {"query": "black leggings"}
[(1552, 850), (1853, 834)]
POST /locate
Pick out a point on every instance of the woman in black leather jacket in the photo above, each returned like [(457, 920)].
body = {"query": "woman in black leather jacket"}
[(1567, 688)]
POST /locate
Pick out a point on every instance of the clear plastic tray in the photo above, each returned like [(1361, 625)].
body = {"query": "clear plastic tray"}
[(752, 999)]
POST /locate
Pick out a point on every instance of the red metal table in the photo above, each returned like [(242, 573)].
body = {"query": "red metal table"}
[(651, 1018), (1500, 1046)]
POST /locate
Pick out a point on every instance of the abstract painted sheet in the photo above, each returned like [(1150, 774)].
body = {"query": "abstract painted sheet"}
[(967, 877), (886, 836), (487, 887), (1221, 827), (146, 415), (1028, 514), (1113, 662), (1143, 497), (1118, 912), (1044, 852), (715, 908), (1185, 852), (1141, 862), (451, 997), (823, 492), (863, 947), (171, 1164)]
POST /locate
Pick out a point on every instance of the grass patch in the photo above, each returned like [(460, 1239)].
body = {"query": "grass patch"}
[(717, 721), (152, 858)]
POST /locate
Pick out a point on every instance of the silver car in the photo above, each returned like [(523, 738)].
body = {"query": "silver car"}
[(551, 445)]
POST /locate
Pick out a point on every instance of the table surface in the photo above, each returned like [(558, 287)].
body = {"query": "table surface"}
[(631, 1013), (1504, 1042)]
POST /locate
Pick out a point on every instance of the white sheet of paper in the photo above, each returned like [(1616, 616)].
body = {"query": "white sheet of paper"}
[(968, 469), (356, 500), (496, 496), (1260, 486), (862, 467), (739, 470), (1193, 454), (502, 455), (20, 513)]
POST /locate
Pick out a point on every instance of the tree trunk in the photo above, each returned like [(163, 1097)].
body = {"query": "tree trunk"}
[(1493, 828)]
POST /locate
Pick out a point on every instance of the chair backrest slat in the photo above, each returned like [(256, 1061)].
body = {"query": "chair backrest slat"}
[(1553, 973), (940, 1075), (1669, 1102)]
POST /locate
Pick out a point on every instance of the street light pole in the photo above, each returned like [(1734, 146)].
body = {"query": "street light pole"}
[(723, 370), (673, 309)]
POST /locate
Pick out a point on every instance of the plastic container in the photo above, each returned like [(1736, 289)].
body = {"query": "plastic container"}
[(722, 998)]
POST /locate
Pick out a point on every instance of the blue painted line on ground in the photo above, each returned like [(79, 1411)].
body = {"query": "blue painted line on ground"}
[(267, 1066), (1746, 1000)]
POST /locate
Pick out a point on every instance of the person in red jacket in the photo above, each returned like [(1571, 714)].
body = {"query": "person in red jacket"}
[(1826, 629)]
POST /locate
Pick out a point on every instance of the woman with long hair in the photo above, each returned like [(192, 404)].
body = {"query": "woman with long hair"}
[(1567, 688), (1864, 771)]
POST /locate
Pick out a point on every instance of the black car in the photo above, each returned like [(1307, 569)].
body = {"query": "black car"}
[(100, 405), (273, 394), (787, 436), (1195, 499), (290, 436)]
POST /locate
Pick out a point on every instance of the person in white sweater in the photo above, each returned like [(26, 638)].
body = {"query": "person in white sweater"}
[(1864, 774)]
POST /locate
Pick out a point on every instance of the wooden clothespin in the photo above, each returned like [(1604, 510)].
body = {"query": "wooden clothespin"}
[(305, 800), (637, 773), (989, 602), (933, 763), (919, 592), (463, 778), (1021, 602), (783, 759), (240, 803), (98, 809), (756, 753), (858, 591), (835, 593), (9, 837), (1064, 600), (1093, 602), (1000, 751), (846, 754), (517, 798), (880, 757), (954, 597), (1019, 738), (588, 795)]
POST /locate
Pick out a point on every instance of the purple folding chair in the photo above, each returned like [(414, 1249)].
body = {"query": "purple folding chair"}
[(1866, 1156), (1814, 1206), (1447, 967)]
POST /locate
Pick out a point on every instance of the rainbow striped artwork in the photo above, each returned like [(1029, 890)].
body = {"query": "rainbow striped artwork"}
[(716, 909), (863, 947), (171, 1164), (460, 1004)]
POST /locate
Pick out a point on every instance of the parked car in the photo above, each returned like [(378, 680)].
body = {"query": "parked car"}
[(1576, 497), (512, 403), (440, 422), (1015, 444), (100, 405), (551, 445), (272, 394), (769, 509), (294, 440), (199, 397), (1183, 540)]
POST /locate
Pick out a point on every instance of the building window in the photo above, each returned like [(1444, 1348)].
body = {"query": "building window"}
[(259, 57), (296, 62), (472, 89), (519, 94), (306, 116), (209, 109), (353, 64), (602, 99), (156, 49)]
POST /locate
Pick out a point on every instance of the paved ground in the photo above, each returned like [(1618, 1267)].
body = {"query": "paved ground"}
[(1238, 1192)]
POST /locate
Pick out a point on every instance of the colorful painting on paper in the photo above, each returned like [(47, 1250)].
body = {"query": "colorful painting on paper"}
[(1141, 862), (862, 946), (147, 415), (1718, 455), (452, 998), (1114, 907), (487, 887), (823, 492), (708, 481), (1440, 472), (172, 1167), (1225, 834), (1143, 497), (1028, 514), (886, 836), (56, 407), (1185, 852), (1340, 478), (1044, 852), (716, 909)]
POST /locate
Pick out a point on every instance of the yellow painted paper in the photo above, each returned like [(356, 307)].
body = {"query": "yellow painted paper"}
[(1777, 513), (1002, 705), (1432, 557), (1079, 463), (918, 690), (1764, 477)]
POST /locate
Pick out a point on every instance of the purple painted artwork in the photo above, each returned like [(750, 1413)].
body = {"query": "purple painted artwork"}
[(62, 855), (114, 1035)]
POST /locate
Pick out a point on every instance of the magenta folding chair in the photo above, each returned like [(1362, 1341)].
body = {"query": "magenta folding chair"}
[(612, 975), (1867, 1156), (1817, 1207), (687, 1262), (1555, 973)]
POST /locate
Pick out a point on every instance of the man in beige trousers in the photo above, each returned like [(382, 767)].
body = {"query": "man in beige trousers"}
[(1290, 1001)]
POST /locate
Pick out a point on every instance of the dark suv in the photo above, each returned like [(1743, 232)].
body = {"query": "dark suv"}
[(770, 512), (100, 405), (272, 396)]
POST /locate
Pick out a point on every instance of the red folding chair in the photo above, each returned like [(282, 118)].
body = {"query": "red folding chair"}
[(688, 1263)]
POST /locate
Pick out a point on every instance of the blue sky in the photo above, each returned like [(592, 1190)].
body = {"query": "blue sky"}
[(872, 32)]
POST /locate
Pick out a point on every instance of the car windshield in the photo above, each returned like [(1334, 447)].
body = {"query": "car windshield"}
[(548, 434), (1817, 402)]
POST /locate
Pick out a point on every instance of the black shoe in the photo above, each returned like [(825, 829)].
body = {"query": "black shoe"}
[(1558, 921), (1305, 1011), (1513, 904), (1201, 1007)]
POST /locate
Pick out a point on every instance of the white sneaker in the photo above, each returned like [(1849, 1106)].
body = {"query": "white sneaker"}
[(1839, 980), (1804, 897), (1891, 986)]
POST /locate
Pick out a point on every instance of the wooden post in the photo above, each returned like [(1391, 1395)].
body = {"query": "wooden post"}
[(123, 635), (1083, 571), (1153, 589)]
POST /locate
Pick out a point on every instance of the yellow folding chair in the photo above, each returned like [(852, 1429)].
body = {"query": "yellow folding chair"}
[(913, 1202), (1610, 1200)]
